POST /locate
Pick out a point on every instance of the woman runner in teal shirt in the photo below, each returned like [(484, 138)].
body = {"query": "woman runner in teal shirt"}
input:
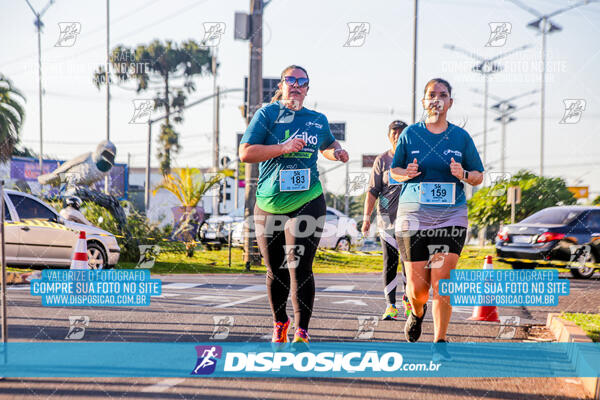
[(433, 159), (285, 138)]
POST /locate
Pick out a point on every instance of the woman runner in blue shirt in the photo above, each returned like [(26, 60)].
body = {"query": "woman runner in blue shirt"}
[(433, 159)]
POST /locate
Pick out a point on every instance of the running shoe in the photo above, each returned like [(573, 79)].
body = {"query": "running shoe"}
[(439, 351), (280, 333), (391, 313), (412, 327), (301, 339), (406, 304)]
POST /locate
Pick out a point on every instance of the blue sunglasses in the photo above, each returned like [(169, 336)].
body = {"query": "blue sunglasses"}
[(291, 80)]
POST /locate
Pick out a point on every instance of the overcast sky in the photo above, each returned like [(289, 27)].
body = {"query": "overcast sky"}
[(366, 86)]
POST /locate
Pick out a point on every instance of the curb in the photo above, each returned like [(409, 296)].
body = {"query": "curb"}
[(569, 332)]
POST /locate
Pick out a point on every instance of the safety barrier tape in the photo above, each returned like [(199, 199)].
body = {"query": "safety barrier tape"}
[(38, 222), (572, 264)]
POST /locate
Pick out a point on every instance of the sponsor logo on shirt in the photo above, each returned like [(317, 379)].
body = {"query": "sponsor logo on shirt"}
[(307, 151), (455, 152), (414, 152), (308, 138), (315, 124)]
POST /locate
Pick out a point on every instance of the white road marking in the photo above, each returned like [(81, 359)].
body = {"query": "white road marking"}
[(254, 288), (168, 295), (339, 288), (210, 297), (163, 385), (241, 301), (350, 296), (462, 310), (350, 301), (180, 285)]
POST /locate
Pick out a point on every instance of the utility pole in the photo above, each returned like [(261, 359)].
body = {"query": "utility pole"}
[(217, 106), (236, 193), (505, 108), (128, 168), (255, 91), (107, 80), (3, 271), (414, 68), (215, 116), (544, 26), (347, 193), (486, 67), (39, 25), (152, 121), (148, 152)]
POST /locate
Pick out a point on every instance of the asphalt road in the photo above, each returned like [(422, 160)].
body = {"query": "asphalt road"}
[(201, 308)]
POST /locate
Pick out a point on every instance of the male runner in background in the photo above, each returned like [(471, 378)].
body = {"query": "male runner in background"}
[(382, 187)]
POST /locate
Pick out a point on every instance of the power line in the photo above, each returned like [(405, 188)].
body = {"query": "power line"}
[(97, 29)]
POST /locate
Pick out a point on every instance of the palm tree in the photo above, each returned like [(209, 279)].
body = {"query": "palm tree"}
[(12, 115), (169, 69), (189, 186)]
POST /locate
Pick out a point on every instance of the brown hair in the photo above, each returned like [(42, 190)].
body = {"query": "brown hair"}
[(278, 94), (438, 80)]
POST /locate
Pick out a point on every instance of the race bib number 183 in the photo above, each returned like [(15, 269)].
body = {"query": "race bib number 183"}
[(293, 180)]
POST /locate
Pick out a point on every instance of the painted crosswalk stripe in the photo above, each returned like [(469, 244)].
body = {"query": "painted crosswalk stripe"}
[(168, 295), (339, 288), (241, 301), (180, 285), (355, 302), (213, 298), (163, 385), (254, 288)]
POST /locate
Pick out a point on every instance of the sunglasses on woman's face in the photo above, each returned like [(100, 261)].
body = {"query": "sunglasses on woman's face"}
[(291, 80)]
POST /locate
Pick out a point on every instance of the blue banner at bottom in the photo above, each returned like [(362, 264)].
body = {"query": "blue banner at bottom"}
[(323, 359)]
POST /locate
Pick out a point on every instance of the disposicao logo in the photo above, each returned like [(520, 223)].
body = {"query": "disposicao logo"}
[(320, 362), (207, 359)]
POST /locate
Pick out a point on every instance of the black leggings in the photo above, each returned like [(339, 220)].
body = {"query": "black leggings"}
[(288, 243)]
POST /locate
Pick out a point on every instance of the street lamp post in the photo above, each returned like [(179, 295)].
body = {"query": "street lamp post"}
[(149, 144), (505, 108), (544, 26), (485, 67), (39, 25)]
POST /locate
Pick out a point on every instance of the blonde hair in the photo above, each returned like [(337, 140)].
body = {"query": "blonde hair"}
[(278, 94)]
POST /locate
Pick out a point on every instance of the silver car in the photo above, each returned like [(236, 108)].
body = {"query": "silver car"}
[(37, 235)]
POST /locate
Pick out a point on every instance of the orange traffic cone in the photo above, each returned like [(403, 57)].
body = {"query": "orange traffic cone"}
[(486, 313), (80, 258)]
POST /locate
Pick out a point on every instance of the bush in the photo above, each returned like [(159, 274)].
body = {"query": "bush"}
[(141, 229), (488, 205)]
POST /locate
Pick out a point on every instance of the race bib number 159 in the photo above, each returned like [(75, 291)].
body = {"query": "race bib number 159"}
[(436, 193)]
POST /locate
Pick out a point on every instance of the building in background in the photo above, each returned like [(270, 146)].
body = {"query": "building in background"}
[(162, 203)]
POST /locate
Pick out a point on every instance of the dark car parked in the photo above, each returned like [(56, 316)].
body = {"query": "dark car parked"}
[(567, 233)]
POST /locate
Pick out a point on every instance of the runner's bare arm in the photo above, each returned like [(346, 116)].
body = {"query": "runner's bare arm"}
[(475, 178), (253, 153), (369, 205), (335, 152), (405, 174)]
